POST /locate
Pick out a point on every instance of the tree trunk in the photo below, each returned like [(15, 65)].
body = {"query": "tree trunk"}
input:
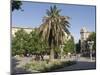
[(51, 54), (42, 57)]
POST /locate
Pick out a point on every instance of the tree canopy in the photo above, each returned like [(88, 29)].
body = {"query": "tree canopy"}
[(19, 42), (24, 43), (69, 46), (16, 5)]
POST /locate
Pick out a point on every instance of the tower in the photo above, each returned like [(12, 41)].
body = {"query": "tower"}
[(84, 35)]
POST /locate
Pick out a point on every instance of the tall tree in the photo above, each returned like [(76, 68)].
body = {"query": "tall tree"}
[(69, 46), (16, 5), (36, 46), (78, 47), (19, 42), (53, 28)]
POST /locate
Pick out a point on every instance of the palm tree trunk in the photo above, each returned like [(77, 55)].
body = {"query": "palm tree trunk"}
[(51, 54)]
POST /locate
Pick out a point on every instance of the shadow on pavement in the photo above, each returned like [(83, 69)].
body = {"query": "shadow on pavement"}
[(17, 70), (80, 65)]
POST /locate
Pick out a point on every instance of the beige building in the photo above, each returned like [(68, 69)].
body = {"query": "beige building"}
[(84, 35), (15, 29), (28, 30)]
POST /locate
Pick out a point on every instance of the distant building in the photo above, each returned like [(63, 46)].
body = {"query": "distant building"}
[(28, 30), (84, 35), (15, 29)]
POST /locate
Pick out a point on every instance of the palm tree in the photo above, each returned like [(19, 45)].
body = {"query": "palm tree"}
[(53, 29)]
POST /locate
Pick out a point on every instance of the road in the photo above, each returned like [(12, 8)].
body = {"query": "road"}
[(82, 64)]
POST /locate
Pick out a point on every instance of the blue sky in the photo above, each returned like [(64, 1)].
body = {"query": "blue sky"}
[(81, 16)]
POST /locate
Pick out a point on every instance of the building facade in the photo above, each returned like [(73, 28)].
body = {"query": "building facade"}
[(15, 29), (84, 35)]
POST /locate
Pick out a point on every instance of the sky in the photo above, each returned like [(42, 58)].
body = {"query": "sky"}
[(80, 16)]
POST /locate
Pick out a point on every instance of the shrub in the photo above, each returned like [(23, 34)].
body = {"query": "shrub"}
[(42, 66)]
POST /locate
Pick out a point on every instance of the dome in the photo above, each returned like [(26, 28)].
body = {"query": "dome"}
[(83, 30)]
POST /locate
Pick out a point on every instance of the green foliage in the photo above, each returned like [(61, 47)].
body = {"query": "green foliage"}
[(24, 43), (57, 49), (35, 65), (19, 42), (36, 44), (16, 5), (69, 46), (42, 66), (78, 47)]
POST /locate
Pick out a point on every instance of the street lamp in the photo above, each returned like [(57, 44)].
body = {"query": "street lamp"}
[(90, 43)]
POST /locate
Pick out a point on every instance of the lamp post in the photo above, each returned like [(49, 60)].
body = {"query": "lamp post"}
[(90, 43), (61, 47)]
